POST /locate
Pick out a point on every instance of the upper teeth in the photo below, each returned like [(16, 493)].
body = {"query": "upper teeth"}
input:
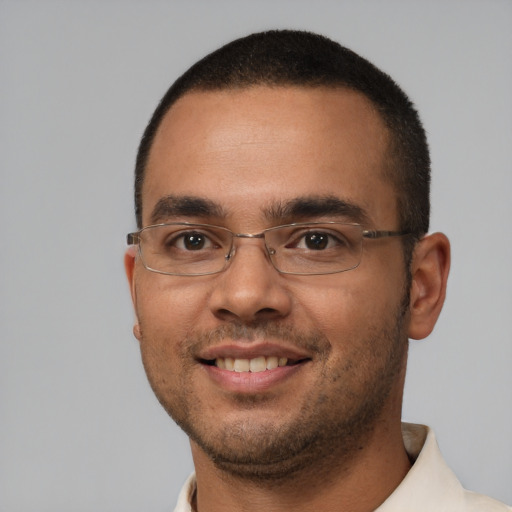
[(258, 364)]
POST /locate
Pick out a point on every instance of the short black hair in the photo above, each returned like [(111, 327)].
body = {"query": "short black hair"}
[(304, 59)]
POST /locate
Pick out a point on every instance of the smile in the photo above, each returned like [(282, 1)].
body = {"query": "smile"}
[(249, 371), (254, 365)]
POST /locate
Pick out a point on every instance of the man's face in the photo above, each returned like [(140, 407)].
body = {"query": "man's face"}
[(249, 160)]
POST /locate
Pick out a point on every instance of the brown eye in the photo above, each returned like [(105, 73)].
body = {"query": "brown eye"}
[(189, 241), (194, 241), (316, 241)]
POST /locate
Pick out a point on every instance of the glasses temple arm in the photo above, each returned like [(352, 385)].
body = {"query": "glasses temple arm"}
[(132, 238), (384, 234)]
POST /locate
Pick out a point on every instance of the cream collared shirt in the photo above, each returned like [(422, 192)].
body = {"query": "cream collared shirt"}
[(429, 486)]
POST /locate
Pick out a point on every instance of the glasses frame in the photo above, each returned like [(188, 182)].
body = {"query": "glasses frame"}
[(134, 238)]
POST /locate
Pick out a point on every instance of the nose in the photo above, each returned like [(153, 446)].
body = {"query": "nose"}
[(250, 290)]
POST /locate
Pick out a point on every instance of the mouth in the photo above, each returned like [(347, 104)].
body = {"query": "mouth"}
[(254, 365)]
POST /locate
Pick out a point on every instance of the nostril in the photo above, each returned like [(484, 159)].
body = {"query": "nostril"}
[(269, 311)]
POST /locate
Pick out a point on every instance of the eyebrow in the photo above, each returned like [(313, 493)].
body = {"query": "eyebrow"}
[(184, 206), (297, 209), (314, 207)]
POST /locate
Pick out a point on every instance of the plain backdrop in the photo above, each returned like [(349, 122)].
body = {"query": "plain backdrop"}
[(80, 429)]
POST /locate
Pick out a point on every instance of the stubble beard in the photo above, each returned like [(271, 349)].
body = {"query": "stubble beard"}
[(328, 431)]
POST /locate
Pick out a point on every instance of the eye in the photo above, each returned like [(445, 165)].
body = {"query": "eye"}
[(190, 241), (318, 241)]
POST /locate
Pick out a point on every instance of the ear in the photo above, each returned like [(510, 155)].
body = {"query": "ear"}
[(129, 266), (430, 267)]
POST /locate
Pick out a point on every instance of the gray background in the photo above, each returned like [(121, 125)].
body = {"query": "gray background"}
[(79, 427)]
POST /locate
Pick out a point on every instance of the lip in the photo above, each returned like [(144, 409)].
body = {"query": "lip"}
[(252, 382), (250, 350)]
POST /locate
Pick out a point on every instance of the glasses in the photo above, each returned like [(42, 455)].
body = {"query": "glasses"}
[(313, 248)]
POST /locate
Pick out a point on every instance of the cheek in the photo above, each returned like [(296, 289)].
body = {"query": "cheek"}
[(168, 311), (165, 318), (167, 305), (350, 306)]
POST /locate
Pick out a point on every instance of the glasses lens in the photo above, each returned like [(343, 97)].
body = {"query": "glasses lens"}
[(185, 249), (315, 248)]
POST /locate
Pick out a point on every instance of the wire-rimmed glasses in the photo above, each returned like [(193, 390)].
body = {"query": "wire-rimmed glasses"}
[(313, 248)]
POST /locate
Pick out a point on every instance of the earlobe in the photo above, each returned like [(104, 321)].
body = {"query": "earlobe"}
[(430, 267), (136, 330), (129, 266)]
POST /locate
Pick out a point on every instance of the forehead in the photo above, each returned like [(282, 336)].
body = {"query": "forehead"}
[(245, 149)]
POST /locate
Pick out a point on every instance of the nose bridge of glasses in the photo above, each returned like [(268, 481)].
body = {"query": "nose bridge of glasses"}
[(250, 236)]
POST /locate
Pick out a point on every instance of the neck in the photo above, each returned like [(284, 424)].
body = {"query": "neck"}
[(359, 484)]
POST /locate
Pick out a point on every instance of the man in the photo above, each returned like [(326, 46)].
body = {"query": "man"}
[(281, 264)]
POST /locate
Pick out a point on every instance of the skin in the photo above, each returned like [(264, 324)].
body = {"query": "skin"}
[(325, 436)]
